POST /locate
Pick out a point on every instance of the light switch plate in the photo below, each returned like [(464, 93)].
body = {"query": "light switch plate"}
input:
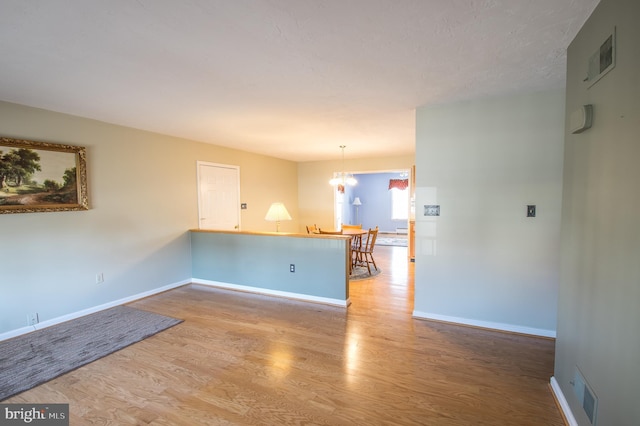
[(431, 210)]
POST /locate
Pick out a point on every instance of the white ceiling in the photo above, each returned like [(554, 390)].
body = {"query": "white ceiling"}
[(289, 78)]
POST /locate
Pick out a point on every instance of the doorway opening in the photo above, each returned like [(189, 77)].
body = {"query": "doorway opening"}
[(377, 205)]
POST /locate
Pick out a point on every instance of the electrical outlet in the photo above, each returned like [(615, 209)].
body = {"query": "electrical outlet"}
[(99, 278), (32, 319), (292, 268)]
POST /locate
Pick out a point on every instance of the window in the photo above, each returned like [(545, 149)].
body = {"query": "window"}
[(399, 204)]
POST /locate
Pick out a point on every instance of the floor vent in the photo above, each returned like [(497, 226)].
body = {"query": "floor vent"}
[(585, 396)]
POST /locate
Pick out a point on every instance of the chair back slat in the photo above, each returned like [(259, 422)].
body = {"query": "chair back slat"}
[(364, 255), (330, 232), (344, 226), (370, 242)]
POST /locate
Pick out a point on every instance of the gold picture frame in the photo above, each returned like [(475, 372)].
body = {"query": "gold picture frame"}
[(42, 177)]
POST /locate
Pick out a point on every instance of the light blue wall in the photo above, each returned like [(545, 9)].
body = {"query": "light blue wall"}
[(482, 261), (373, 190), (262, 261)]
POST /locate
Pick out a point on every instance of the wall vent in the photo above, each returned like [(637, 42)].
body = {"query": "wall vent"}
[(585, 396), (602, 60)]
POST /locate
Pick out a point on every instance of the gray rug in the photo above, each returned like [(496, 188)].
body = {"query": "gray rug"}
[(34, 358), (362, 273), (391, 241)]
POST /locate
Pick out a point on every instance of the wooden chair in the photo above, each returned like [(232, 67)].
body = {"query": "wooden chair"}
[(356, 241), (330, 232), (345, 226), (312, 229), (364, 255)]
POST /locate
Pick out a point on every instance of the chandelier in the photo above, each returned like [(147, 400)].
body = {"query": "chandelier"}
[(342, 179)]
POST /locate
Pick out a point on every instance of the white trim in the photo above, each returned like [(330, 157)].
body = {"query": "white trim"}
[(486, 324), (63, 318), (564, 405), (17, 332), (276, 293)]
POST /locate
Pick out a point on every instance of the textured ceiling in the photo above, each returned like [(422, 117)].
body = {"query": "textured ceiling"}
[(289, 78)]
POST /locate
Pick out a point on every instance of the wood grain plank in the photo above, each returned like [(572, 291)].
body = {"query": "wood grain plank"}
[(245, 359)]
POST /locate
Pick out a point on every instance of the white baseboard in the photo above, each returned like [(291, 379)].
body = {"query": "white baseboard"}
[(277, 293), (486, 324), (78, 314), (16, 332), (564, 405)]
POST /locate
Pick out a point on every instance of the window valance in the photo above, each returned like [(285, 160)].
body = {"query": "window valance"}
[(398, 183)]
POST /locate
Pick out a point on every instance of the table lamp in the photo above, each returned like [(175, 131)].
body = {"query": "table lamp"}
[(276, 213)]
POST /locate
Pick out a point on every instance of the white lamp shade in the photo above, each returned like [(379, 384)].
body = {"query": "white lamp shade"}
[(335, 181), (357, 202), (343, 179), (277, 212)]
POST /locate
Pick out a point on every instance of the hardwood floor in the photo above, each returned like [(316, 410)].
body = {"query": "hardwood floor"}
[(244, 359)]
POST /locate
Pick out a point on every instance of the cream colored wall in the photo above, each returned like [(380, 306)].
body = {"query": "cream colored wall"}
[(263, 180), (143, 196), (142, 190), (599, 313), (316, 196)]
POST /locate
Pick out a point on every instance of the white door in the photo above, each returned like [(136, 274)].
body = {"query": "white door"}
[(218, 196)]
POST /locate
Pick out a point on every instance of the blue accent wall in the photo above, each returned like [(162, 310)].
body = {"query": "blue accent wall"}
[(373, 190)]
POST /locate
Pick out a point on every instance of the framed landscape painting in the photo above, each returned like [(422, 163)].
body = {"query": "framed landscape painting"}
[(42, 177)]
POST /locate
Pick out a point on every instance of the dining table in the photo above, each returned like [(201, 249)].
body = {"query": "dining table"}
[(356, 239)]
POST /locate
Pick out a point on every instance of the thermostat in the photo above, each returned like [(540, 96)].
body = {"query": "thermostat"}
[(581, 119), (430, 210)]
